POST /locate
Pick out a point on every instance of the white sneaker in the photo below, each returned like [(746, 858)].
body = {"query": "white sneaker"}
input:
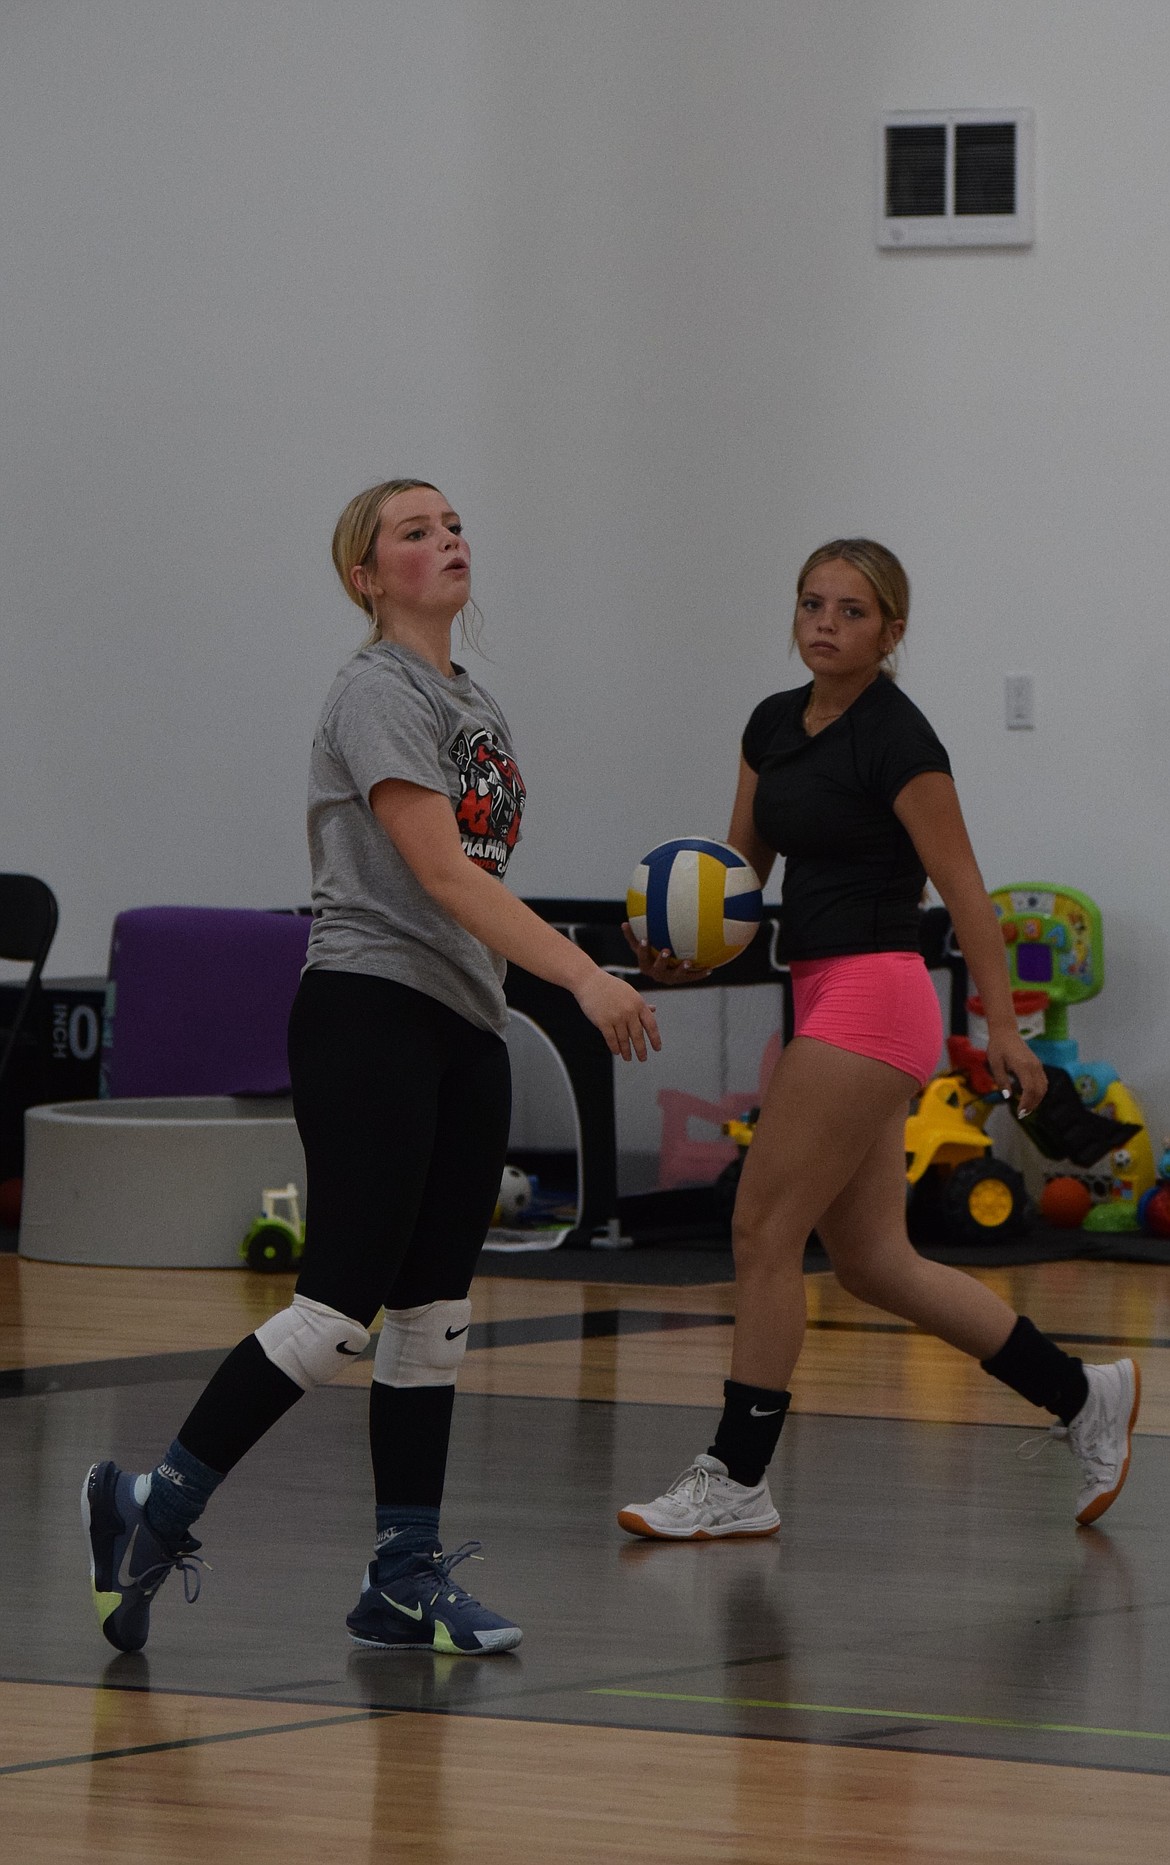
[(703, 1504), (1099, 1435)]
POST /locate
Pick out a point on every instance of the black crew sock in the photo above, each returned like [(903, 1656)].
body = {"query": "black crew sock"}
[(748, 1430), (240, 1402), (1040, 1371)]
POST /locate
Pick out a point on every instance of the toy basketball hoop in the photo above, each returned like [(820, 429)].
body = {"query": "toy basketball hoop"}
[(1029, 1007)]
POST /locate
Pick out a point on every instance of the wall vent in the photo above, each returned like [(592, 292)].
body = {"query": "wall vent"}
[(955, 178)]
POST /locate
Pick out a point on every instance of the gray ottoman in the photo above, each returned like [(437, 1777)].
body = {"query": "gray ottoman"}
[(160, 1184)]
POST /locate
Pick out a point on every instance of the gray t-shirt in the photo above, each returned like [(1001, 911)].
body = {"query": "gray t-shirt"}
[(389, 713)]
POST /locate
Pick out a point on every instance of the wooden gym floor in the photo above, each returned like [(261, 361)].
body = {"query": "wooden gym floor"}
[(929, 1663)]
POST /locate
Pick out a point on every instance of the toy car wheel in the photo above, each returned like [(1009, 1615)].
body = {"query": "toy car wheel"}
[(983, 1199), (271, 1250)]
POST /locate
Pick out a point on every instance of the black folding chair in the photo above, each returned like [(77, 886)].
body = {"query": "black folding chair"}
[(28, 922)]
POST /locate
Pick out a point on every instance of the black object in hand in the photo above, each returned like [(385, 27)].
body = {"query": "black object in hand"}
[(1062, 1127)]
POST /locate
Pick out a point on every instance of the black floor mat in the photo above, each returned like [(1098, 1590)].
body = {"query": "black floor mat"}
[(673, 1260)]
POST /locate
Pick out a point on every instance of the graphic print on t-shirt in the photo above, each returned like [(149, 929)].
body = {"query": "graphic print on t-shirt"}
[(491, 800)]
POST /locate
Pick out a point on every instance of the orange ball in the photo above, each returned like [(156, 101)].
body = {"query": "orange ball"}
[(1065, 1203)]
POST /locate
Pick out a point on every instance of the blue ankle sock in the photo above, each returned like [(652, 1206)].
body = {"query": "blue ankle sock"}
[(180, 1488), (403, 1532)]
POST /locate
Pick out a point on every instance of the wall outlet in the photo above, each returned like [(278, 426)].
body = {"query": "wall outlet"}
[(1018, 703)]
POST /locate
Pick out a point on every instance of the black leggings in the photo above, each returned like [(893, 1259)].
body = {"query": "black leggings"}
[(403, 1109)]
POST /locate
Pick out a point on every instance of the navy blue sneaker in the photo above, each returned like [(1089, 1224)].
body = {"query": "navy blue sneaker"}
[(425, 1610), (127, 1561)]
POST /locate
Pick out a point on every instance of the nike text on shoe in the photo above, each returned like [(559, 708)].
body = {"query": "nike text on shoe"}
[(1099, 1436), (703, 1504), (127, 1561), (425, 1610)]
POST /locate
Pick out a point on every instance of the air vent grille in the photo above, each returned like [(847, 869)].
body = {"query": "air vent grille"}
[(955, 178), (916, 170), (985, 168)]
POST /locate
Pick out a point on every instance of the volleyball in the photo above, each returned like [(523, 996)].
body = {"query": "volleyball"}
[(695, 898)]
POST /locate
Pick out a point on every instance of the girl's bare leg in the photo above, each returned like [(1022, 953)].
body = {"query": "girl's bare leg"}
[(864, 1232), (829, 1152), (824, 1110)]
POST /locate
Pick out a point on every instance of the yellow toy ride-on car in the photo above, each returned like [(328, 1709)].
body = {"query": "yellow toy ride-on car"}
[(956, 1185), (958, 1191)]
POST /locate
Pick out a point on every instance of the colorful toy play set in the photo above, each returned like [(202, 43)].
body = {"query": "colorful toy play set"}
[(1089, 1121)]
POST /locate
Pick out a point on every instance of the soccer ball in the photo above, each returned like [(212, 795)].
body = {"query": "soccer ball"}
[(515, 1196)]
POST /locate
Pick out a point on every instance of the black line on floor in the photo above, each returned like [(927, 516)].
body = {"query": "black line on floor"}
[(888, 1733), (270, 1690), (858, 1741), (596, 1324), (522, 1330), (892, 1740), (196, 1741), (157, 1368), (765, 1657), (142, 1369)]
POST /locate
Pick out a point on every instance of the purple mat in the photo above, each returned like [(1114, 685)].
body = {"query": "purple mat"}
[(199, 1000)]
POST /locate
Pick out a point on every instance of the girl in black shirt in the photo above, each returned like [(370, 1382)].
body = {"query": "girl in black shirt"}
[(847, 780)]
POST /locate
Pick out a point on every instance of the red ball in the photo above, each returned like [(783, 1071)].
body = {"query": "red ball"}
[(1156, 1216), (10, 1190), (1065, 1203)]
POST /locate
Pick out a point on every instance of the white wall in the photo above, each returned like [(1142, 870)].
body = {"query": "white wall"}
[(605, 271)]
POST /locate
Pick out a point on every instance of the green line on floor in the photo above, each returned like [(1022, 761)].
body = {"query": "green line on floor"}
[(910, 1716)]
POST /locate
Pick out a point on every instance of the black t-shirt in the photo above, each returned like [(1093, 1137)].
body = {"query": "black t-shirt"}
[(852, 877)]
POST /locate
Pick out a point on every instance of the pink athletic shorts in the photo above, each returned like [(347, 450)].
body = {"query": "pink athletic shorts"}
[(879, 1004)]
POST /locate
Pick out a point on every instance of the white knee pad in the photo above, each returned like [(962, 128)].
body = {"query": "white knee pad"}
[(422, 1346), (310, 1342)]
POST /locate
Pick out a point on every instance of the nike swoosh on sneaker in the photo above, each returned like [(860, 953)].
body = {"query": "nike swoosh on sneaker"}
[(411, 1612), (355, 1353), (756, 1412), (454, 1333), (125, 1577)]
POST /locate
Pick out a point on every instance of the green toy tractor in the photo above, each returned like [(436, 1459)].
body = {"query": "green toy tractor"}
[(275, 1241)]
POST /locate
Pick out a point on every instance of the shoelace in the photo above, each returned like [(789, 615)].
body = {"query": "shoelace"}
[(1096, 1463), (695, 1480), (467, 1551), (1035, 1447), (186, 1561)]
